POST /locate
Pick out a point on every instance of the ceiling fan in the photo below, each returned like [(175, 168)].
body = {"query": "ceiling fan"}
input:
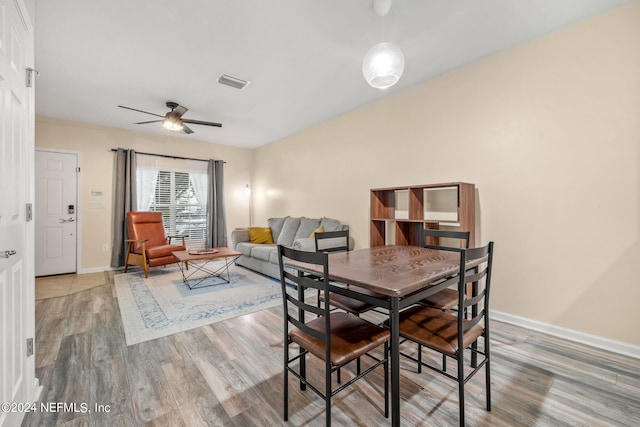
[(173, 120)]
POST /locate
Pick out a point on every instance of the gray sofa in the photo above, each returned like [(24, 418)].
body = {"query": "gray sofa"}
[(293, 232)]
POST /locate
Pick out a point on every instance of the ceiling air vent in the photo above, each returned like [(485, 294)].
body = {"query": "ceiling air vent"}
[(228, 80)]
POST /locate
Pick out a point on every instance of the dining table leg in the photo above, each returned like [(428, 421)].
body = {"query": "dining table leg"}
[(394, 322)]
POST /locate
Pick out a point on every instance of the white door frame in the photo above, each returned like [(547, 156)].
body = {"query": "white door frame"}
[(18, 129), (78, 201)]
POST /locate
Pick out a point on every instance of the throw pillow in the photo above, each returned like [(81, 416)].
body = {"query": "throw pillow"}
[(317, 230), (260, 235)]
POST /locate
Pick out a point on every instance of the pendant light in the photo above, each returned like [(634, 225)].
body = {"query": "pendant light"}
[(383, 64)]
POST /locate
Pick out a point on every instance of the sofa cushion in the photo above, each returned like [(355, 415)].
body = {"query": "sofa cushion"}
[(273, 257), (307, 226), (245, 248), (331, 224), (260, 235), (163, 250), (289, 230), (276, 226), (263, 251)]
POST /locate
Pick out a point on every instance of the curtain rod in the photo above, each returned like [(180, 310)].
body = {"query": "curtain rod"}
[(168, 157)]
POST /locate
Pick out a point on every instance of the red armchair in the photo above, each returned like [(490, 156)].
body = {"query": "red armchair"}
[(148, 246)]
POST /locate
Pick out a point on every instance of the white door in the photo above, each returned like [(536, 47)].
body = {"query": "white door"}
[(56, 212), (17, 301)]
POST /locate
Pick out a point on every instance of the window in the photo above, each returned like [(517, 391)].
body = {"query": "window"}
[(178, 189)]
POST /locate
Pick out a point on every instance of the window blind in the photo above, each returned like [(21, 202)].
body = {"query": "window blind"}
[(174, 194)]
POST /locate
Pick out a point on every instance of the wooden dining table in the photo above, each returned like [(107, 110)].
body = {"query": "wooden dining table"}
[(401, 275)]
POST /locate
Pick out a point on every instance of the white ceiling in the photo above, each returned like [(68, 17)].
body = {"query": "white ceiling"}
[(303, 57)]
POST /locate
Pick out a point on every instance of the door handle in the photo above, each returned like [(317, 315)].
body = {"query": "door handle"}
[(62, 220), (7, 254)]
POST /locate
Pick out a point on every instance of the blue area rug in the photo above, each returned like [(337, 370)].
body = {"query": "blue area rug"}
[(162, 304)]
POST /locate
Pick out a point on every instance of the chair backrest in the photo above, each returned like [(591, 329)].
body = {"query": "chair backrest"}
[(477, 303), (294, 302), (339, 241), (431, 238), (146, 226)]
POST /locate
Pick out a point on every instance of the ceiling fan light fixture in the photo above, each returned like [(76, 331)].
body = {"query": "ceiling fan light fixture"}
[(172, 124)]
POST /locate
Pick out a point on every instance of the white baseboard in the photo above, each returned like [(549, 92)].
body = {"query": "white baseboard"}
[(569, 334), (37, 390), (95, 270)]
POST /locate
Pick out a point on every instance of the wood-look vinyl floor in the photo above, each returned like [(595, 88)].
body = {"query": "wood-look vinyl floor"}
[(230, 374)]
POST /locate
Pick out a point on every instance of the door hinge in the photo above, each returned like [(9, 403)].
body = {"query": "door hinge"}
[(30, 76), (78, 169), (29, 346), (29, 211)]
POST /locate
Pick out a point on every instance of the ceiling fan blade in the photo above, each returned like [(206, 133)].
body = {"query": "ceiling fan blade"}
[(179, 111), (144, 123), (186, 129), (146, 112), (200, 122)]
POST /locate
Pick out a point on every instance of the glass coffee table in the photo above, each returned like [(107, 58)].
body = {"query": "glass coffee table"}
[(199, 261)]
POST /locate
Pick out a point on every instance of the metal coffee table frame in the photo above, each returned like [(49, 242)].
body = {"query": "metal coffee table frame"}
[(184, 260)]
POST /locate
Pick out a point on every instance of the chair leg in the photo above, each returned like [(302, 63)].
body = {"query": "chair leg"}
[(145, 264), (474, 355), (126, 260), (303, 369), (386, 380), (327, 393), (461, 387), (487, 368), (419, 358), (286, 382)]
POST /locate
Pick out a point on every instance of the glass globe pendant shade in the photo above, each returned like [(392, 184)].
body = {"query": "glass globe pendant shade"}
[(383, 65)]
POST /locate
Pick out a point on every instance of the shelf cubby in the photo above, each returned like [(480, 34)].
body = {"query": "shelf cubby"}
[(398, 213)]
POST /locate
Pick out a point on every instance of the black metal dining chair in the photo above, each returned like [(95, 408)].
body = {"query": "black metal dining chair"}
[(446, 299), (336, 338), (340, 243), (451, 335)]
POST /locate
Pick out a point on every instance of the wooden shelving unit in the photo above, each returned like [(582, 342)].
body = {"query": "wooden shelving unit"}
[(398, 213)]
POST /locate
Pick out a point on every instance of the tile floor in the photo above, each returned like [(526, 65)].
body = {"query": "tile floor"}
[(67, 284)]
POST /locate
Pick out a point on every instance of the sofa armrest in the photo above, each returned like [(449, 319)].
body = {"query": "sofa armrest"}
[(352, 243), (307, 244), (239, 235)]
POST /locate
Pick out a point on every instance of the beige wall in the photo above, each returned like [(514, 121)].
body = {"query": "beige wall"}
[(548, 132), (94, 143)]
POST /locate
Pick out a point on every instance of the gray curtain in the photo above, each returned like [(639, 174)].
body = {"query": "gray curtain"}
[(125, 201), (216, 217)]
